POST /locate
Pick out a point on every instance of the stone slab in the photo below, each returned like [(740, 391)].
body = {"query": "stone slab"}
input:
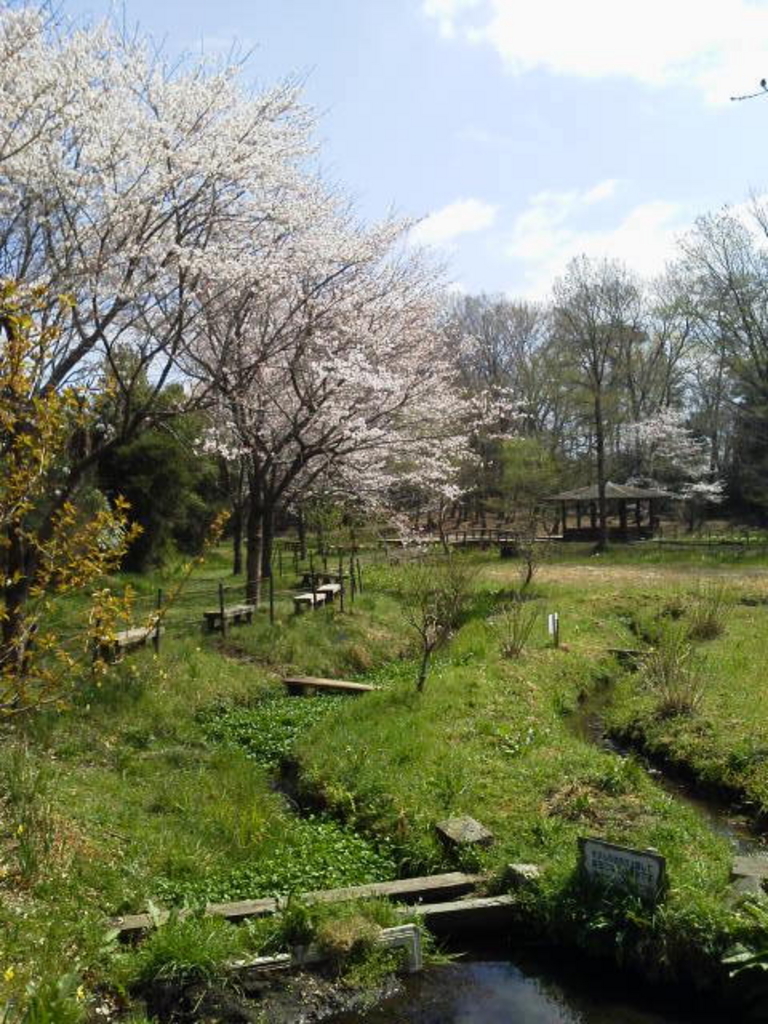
[(464, 831), (466, 915), (449, 885), (746, 867), (517, 876)]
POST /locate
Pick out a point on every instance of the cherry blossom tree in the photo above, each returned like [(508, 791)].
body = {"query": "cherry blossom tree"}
[(121, 183), (337, 371), (672, 455)]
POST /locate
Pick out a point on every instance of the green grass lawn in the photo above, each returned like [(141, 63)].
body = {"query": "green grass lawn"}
[(156, 784)]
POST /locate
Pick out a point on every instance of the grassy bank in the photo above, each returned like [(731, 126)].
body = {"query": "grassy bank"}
[(157, 785), (132, 797), (493, 738), (722, 742)]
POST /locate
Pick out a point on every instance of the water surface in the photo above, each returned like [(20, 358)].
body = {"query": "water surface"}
[(496, 991)]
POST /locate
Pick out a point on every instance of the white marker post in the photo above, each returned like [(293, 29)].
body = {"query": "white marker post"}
[(553, 624)]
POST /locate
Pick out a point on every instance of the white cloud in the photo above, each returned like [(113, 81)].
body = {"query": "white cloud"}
[(717, 46), (446, 13), (458, 218), (548, 233)]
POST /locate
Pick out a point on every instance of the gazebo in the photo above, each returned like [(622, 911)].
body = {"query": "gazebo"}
[(623, 503)]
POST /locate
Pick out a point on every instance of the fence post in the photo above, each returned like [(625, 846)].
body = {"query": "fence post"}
[(280, 560), (341, 582), (313, 581), (359, 576), (156, 637), (271, 599), (221, 610), (352, 587)]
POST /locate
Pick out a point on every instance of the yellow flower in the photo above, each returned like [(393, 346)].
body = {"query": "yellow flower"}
[(19, 830), (9, 973), (80, 994)]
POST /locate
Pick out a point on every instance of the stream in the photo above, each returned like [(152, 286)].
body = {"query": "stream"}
[(587, 722), (514, 986)]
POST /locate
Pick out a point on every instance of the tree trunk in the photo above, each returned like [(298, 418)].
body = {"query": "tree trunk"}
[(254, 539), (267, 535), (237, 540), (15, 595), (423, 669), (602, 515), (301, 528)]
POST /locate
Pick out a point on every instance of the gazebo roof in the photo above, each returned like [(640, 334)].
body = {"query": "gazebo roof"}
[(612, 491)]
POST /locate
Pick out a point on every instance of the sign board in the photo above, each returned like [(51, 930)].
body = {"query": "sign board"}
[(641, 870)]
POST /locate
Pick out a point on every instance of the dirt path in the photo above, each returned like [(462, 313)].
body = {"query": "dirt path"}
[(633, 576)]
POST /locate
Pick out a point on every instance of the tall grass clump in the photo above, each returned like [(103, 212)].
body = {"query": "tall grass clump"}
[(52, 1001), (708, 611), (515, 625), (25, 792), (673, 674), (182, 950)]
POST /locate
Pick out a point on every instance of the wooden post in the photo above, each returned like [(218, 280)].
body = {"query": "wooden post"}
[(352, 586), (221, 610), (359, 576), (313, 581), (295, 558), (341, 582), (325, 562), (156, 636), (271, 599), (280, 560)]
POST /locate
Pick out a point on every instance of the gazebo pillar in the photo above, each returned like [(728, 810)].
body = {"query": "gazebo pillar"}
[(578, 515), (563, 514), (652, 515), (623, 514), (593, 515)]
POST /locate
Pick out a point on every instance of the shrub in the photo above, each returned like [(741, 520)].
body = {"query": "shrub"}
[(435, 593), (515, 625)]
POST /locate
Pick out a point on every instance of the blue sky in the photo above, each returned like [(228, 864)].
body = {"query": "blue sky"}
[(523, 132)]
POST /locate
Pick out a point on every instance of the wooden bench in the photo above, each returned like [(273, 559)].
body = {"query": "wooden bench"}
[(236, 613), (308, 600), (322, 577), (127, 640), (306, 684), (330, 590)]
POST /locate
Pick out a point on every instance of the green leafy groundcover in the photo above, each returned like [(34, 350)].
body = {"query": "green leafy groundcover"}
[(268, 730), (318, 854)]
